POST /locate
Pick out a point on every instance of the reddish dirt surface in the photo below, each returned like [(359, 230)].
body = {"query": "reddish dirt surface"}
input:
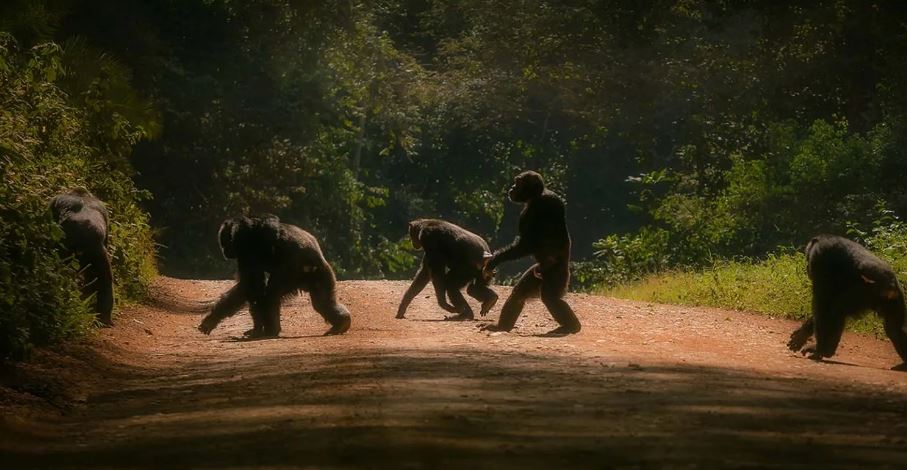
[(642, 385)]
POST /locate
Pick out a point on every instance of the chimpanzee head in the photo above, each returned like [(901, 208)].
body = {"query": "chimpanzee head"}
[(249, 236), (227, 234), (527, 185), (415, 228)]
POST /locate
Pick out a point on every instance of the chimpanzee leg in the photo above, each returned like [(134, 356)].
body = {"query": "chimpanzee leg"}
[(554, 286), (268, 314), (894, 328), (99, 281), (455, 281), (228, 304), (829, 325), (480, 291), (423, 275), (526, 288), (801, 335), (323, 292)]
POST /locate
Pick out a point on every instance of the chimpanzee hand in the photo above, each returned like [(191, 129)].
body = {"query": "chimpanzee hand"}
[(810, 352), (492, 327), (401, 311), (207, 325)]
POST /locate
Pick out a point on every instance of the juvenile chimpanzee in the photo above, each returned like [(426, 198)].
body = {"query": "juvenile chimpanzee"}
[(84, 221), (273, 261), (453, 258), (847, 280), (542, 234)]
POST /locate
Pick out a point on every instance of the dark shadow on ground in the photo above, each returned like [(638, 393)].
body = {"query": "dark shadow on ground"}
[(460, 408)]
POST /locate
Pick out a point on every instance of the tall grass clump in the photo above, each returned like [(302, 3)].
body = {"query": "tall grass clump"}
[(776, 286)]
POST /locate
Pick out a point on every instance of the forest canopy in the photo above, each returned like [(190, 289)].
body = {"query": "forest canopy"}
[(678, 132)]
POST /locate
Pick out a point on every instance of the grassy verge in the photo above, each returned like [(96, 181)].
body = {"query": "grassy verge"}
[(777, 286)]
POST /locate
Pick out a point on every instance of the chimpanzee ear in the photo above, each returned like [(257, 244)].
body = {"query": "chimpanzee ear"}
[(415, 234), (867, 280), (227, 237)]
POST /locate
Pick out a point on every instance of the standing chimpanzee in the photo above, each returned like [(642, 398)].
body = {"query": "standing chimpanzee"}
[(542, 234), (847, 280), (84, 221), (275, 260), (453, 258)]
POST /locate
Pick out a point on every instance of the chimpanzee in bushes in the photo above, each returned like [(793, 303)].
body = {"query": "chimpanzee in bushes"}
[(84, 220), (274, 260), (848, 280)]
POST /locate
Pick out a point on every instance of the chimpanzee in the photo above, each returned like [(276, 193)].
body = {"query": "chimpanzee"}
[(274, 260), (847, 280), (454, 257), (542, 234), (84, 220)]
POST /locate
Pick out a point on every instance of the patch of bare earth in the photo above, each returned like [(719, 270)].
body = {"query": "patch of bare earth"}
[(642, 385)]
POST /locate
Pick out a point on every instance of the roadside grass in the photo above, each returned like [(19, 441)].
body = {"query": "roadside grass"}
[(777, 286)]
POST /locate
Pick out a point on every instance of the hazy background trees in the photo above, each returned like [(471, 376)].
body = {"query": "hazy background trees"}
[(679, 132)]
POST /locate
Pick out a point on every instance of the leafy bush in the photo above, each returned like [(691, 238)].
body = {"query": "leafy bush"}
[(45, 147)]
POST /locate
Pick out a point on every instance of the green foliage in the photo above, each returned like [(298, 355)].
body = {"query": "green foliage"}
[(680, 133), (777, 285), (47, 145)]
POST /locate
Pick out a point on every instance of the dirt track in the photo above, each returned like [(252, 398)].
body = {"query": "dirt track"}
[(642, 385)]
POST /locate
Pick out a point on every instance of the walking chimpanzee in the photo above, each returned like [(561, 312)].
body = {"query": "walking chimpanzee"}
[(84, 220), (847, 280), (454, 257), (542, 234), (275, 260)]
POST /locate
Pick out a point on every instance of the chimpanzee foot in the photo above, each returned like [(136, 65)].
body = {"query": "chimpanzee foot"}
[(811, 353), (461, 317), (449, 308), (493, 327), (253, 333), (562, 331), (340, 328), (488, 305)]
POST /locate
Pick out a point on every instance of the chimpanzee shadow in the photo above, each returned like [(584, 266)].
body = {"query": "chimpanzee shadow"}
[(173, 304), (448, 320), (825, 361), (551, 334), (246, 339), (838, 363)]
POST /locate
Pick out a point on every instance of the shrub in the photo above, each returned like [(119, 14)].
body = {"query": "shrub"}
[(45, 147)]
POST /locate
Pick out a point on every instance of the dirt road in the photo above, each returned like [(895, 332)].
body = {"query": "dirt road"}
[(641, 386)]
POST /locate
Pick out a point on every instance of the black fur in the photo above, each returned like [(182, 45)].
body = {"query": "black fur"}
[(453, 258), (84, 220), (542, 234), (848, 280), (274, 260)]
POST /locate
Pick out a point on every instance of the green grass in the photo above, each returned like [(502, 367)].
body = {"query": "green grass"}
[(777, 286)]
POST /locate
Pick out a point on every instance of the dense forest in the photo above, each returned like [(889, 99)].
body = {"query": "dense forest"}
[(678, 132)]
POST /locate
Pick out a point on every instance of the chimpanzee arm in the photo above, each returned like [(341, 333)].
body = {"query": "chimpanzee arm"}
[(438, 280), (227, 305), (423, 275), (524, 244), (516, 250)]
